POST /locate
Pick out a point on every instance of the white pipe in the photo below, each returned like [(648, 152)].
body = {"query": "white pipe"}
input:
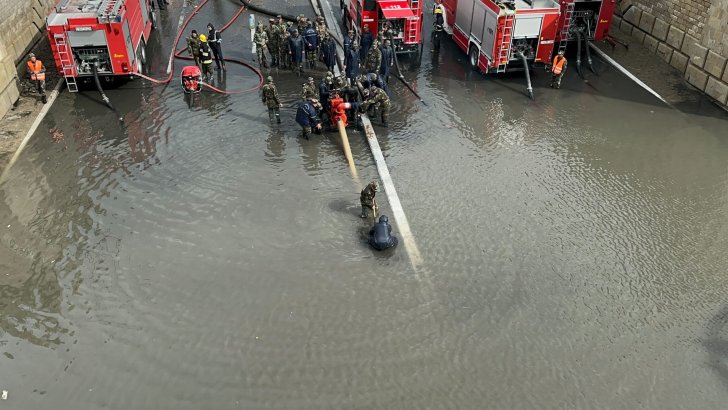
[(624, 71)]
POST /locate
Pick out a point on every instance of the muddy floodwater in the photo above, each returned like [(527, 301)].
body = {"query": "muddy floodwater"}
[(195, 257)]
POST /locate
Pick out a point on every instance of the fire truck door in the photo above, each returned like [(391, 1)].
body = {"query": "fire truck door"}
[(527, 26), (464, 16), (478, 23), (489, 30)]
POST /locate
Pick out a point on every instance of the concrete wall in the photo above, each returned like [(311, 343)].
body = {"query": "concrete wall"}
[(690, 35), (21, 23)]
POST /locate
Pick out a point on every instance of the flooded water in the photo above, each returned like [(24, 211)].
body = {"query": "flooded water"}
[(196, 257)]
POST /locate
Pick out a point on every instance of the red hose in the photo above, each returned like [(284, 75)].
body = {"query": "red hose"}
[(178, 54)]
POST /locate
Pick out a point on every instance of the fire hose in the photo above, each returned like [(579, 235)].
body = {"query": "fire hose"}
[(271, 13), (529, 88), (101, 91), (178, 54)]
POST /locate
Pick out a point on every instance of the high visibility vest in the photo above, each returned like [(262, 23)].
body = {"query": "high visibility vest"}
[(37, 72), (558, 66)]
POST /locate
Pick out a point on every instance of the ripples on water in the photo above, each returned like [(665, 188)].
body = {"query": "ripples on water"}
[(203, 258)]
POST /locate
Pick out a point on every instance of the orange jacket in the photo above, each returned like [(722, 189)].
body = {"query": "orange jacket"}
[(558, 66), (37, 71)]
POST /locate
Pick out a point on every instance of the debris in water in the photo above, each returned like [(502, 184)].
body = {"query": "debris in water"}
[(56, 135), (5, 395)]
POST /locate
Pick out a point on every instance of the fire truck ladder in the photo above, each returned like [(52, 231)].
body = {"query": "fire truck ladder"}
[(566, 27), (504, 53), (66, 62), (413, 26), (108, 10)]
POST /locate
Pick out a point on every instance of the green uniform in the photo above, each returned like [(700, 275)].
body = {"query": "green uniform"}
[(378, 99), (193, 46), (270, 99), (282, 44), (368, 203), (308, 91), (273, 40), (374, 60), (261, 41)]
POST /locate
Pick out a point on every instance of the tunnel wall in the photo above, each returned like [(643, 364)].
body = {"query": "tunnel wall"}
[(22, 24), (690, 35)]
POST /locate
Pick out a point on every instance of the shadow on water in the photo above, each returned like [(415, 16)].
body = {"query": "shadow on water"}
[(716, 344)]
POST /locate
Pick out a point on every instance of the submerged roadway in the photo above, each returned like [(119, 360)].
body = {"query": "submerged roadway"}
[(195, 256)]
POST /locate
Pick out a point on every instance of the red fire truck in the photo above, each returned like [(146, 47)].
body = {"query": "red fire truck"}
[(584, 21), (401, 19), (99, 37), (500, 35)]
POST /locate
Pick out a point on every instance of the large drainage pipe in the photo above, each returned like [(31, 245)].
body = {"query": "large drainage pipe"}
[(101, 90), (529, 88), (401, 78), (578, 53)]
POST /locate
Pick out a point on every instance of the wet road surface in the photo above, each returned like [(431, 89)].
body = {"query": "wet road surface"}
[(196, 257)]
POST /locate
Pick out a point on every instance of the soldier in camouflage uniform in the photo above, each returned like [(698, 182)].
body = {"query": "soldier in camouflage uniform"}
[(301, 23), (261, 40), (308, 90), (193, 46), (273, 40), (368, 203), (283, 43), (270, 99), (379, 100), (321, 30), (374, 58)]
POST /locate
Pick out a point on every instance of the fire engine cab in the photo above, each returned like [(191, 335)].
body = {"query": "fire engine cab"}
[(99, 37), (399, 20), (500, 35)]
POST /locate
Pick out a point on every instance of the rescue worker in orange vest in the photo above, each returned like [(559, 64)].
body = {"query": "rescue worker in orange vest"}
[(37, 75), (558, 68)]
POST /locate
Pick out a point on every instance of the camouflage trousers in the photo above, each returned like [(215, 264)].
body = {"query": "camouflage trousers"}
[(261, 57), (274, 112), (369, 208), (306, 133)]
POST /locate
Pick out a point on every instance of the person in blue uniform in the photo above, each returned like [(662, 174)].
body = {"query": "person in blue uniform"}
[(380, 236)]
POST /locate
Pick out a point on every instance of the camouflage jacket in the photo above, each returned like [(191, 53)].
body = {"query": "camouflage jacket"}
[(270, 96), (378, 96), (260, 38), (193, 45), (367, 196), (308, 91)]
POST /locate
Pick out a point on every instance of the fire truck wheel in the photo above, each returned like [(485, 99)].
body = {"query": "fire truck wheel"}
[(473, 57)]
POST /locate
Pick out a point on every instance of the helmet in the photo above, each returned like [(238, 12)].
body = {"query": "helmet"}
[(329, 74), (438, 10), (289, 23), (373, 77), (203, 38), (295, 31), (31, 55), (269, 79), (383, 219), (561, 52)]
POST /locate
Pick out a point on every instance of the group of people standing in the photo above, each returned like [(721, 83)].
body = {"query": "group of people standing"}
[(290, 46), (204, 48)]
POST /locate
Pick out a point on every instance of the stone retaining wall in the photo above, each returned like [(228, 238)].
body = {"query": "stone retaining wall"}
[(690, 35), (22, 23)]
